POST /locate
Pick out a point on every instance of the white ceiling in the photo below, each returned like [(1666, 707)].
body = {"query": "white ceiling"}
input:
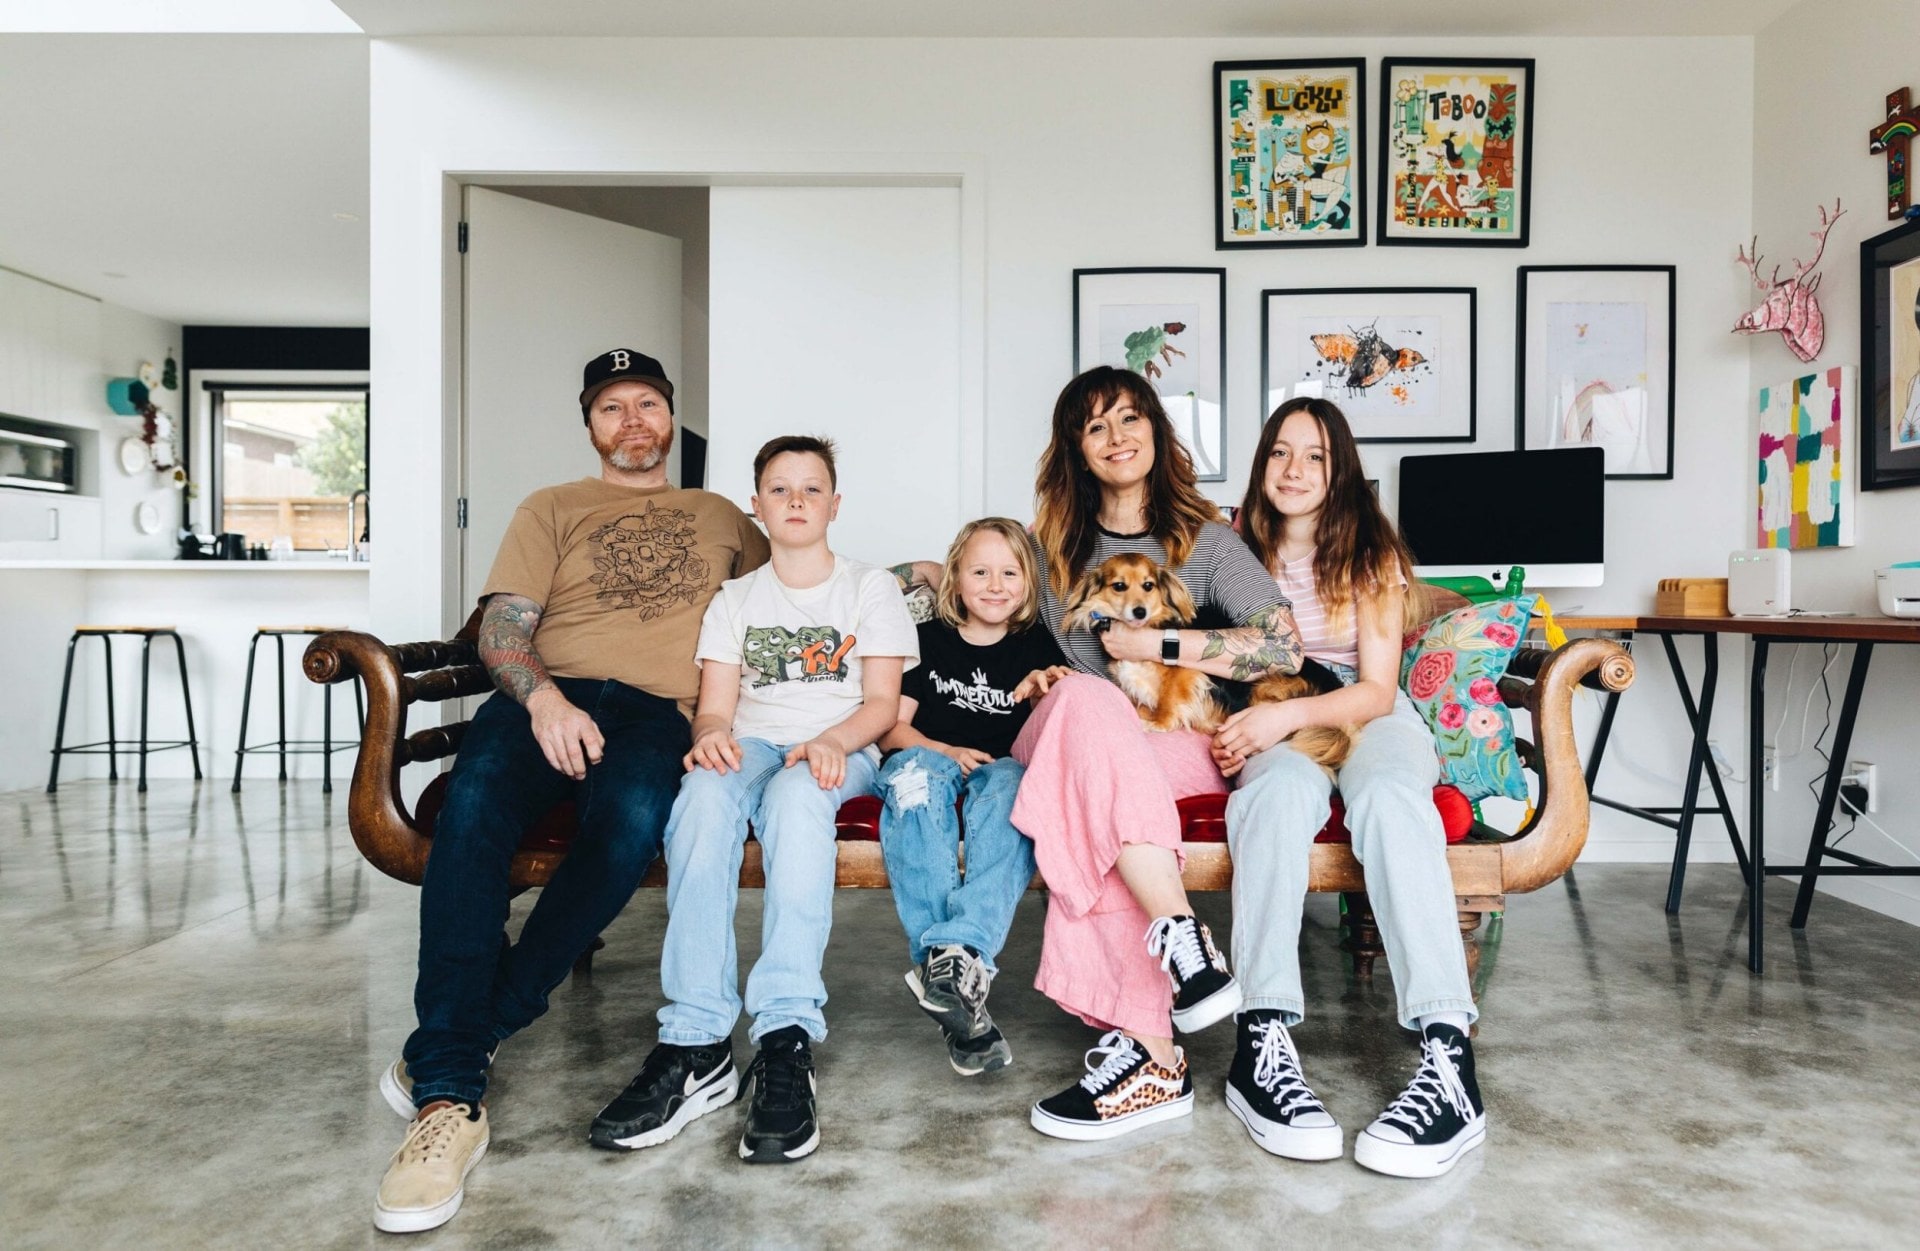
[(207, 169), (1042, 18)]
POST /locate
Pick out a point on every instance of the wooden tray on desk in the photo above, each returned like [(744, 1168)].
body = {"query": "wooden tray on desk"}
[(1691, 597)]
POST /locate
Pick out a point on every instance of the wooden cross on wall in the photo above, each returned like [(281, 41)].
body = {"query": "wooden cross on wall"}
[(1894, 137)]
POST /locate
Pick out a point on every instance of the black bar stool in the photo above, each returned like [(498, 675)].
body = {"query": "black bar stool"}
[(323, 746), (110, 748)]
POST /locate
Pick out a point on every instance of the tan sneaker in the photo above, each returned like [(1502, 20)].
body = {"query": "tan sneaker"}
[(427, 1177), (396, 1085)]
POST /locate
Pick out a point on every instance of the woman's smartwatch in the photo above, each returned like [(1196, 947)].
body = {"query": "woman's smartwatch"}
[(1170, 646)]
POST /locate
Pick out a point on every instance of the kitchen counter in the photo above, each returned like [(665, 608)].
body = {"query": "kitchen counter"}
[(197, 566)]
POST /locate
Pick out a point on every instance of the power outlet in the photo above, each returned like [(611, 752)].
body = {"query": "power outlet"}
[(1866, 776), (1770, 766)]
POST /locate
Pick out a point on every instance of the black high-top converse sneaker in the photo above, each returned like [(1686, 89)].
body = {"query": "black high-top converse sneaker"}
[(676, 1086), (781, 1123), (1123, 1090), (1203, 990), (1269, 1094), (1436, 1120)]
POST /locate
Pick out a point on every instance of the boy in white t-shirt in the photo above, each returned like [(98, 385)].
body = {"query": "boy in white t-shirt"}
[(800, 665)]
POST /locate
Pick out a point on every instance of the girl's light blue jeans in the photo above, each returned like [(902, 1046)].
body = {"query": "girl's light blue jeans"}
[(920, 838), (793, 819), (1387, 784)]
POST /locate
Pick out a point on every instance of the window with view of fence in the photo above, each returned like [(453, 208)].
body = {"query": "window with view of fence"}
[(290, 459)]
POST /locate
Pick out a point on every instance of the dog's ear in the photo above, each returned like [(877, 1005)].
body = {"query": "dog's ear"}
[(1089, 582), (1177, 596)]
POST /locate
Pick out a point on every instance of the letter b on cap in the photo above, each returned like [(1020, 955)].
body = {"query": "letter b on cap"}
[(621, 360)]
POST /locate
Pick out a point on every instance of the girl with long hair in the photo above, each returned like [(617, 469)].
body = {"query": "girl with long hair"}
[(1122, 949), (1312, 521)]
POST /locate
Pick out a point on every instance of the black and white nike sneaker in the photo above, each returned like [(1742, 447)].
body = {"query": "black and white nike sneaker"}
[(781, 1123), (1123, 1090), (1436, 1120), (675, 1087), (1270, 1095), (1203, 990)]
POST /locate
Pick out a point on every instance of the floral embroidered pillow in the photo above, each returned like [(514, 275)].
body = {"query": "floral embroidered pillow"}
[(1452, 675)]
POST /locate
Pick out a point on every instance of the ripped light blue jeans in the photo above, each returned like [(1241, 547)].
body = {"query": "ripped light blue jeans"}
[(920, 838), (1387, 784)]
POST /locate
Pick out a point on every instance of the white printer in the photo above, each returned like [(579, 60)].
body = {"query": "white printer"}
[(1898, 589)]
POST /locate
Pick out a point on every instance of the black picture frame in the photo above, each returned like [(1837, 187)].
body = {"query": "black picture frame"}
[(1881, 467), (1660, 303), (1222, 176), (1351, 304), (1384, 159), (1153, 286)]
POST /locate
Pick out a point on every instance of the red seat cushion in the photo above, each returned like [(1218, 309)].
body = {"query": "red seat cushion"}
[(1203, 818)]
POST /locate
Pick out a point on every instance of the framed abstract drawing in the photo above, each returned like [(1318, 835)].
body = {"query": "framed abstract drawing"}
[(1456, 152), (1168, 325), (1890, 359), (1399, 361), (1288, 145), (1595, 363), (1805, 466)]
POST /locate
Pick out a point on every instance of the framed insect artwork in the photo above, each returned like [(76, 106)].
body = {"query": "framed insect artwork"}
[(1456, 152), (1288, 159), (1399, 361), (1168, 325), (1595, 364)]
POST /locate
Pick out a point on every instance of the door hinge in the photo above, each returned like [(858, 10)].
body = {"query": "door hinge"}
[(460, 520), (463, 237)]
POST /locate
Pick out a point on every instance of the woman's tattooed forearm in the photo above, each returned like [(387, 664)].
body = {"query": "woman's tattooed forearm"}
[(1267, 645), (506, 646), (919, 595)]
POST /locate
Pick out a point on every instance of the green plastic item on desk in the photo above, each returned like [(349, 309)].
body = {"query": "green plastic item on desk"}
[(1480, 590)]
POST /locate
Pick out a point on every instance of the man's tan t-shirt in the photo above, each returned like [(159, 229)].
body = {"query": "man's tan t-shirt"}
[(623, 576)]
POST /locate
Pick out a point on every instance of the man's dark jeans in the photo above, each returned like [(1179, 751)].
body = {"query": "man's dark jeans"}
[(476, 988)]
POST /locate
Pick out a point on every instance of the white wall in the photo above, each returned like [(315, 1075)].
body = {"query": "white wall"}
[(1821, 74), (1094, 153)]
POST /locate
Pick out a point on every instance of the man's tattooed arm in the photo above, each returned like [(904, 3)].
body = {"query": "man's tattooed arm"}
[(917, 579), (506, 646), (1266, 646)]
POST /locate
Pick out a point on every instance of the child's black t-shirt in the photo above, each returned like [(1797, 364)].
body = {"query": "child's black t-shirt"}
[(965, 693)]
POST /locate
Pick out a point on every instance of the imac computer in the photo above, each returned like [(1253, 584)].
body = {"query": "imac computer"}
[(1477, 514)]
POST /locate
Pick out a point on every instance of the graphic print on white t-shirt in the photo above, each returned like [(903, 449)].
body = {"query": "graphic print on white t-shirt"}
[(809, 654)]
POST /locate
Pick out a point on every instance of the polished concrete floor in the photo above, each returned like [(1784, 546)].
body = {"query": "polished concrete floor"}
[(199, 991)]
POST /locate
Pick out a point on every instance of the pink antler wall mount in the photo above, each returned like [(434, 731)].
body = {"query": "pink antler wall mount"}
[(1792, 305)]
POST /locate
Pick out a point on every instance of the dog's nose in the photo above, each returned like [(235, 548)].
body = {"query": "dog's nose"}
[(1138, 612)]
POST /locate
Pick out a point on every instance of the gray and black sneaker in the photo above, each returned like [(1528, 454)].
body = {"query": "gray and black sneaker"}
[(985, 1052), (1436, 1120), (675, 1087), (951, 987), (781, 1122)]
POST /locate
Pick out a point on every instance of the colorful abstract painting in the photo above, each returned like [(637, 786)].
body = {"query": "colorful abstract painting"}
[(1287, 139), (1806, 461), (1455, 152)]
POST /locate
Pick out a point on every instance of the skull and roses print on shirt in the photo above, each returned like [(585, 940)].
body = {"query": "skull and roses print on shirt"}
[(622, 576)]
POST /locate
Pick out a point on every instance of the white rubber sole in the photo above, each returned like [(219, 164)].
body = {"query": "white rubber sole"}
[(1096, 1131), (414, 1220), (716, 1094), (1397, 1159), (800, 1152), (1322, 1142), (398, 1097), (1216, 1007)]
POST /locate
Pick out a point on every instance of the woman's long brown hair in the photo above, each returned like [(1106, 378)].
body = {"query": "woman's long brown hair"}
[(1357, 551), (1066, 520)]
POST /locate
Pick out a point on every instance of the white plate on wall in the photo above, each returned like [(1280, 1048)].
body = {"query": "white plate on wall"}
[(146, 517), (133, 455)]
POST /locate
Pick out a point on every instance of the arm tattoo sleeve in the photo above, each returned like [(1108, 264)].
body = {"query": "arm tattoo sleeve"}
[(506, 646), (1264, 647), (918, 594)]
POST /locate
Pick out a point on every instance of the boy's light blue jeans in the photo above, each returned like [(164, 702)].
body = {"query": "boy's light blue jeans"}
[(1387, 784), (706, 833), (920, 838)]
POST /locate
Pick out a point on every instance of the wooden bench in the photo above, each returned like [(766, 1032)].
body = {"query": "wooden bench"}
[(1487, 864)]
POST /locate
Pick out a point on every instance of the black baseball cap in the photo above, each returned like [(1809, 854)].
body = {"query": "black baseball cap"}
[(622, 364)]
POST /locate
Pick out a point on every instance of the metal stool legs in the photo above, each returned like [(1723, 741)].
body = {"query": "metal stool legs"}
[(60, 726), (246, 706), (283, 746), (110, 748)]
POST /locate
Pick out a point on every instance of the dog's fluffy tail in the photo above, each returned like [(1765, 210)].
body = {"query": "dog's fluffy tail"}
[(1326, 745)]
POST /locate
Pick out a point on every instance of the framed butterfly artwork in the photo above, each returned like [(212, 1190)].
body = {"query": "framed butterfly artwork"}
[(1399, 361)]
